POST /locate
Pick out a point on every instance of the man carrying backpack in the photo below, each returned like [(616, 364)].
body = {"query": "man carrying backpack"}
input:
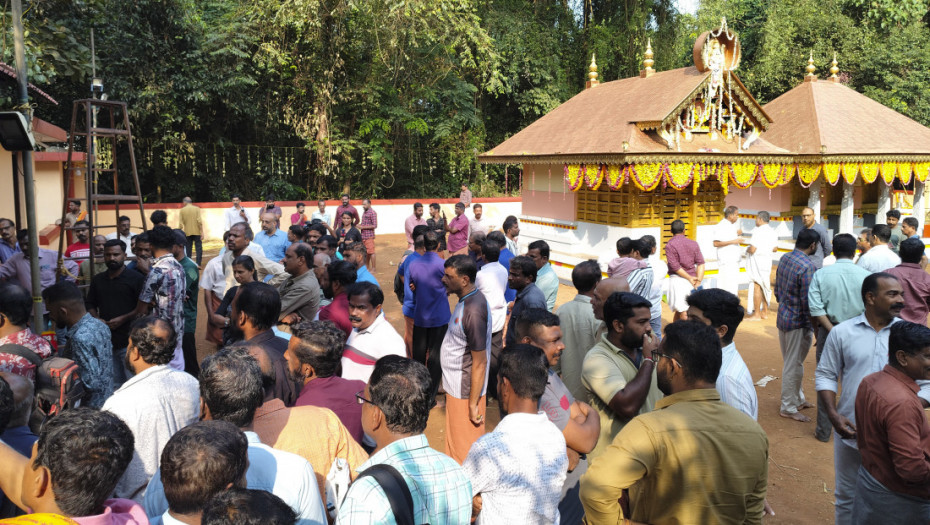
[(418, 484)]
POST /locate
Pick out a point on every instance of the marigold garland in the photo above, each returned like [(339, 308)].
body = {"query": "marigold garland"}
[(887, 171), (770, 175), (743, 175), (574, 176), (616, 176), (903, 173), (595, 176), (868, 170), (646, 176), (723, 177), (921, 171), (808, 173), (831, 172), (679, 175)]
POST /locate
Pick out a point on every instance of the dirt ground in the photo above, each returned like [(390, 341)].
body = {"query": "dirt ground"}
[(800, 467)]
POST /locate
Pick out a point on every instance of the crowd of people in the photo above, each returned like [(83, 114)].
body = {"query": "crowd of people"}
[(312, 408)]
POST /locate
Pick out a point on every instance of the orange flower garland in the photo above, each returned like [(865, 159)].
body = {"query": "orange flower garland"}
[(770, 175), (595, 176), (616, 176)]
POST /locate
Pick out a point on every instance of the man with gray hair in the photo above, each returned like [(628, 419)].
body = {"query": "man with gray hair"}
[(727, 238), (762, 244)]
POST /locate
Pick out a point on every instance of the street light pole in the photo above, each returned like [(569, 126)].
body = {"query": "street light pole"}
[(19, 49)]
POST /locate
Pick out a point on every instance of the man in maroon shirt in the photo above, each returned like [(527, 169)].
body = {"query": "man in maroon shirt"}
[(313, 357), (914, 280), (337, 278), (893, 434), (343, 208), (685, 269), (458, 232)]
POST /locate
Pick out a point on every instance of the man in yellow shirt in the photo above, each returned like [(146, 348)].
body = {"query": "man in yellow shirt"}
[(694, 459), (192, 224)]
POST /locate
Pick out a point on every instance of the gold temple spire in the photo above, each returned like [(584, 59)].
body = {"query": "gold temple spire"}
[(811, 68), (834, 69), (648, 61), (592, 74)]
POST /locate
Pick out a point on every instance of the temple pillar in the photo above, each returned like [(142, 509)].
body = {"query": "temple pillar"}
[(919, 204), (813, 202), (846, 209), (884, 201)]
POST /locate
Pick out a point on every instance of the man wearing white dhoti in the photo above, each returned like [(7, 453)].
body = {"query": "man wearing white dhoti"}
[(727, 238), (762, 245)]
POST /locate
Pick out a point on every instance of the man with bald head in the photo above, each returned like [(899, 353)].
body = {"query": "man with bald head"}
[(605, 289), (320, 262), (825, 244), (271, 239), (300, 293), (155, 402), (85, 274)]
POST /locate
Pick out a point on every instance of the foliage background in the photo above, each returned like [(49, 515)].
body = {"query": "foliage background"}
[(394, 98)]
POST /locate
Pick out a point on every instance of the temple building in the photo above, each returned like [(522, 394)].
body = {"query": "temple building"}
[(627, 157)]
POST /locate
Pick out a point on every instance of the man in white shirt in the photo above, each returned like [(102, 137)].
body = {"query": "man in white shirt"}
[(511, 229), (492, 283), (123, 232), (193, 481), (762, 245), (479, 224), (321, 215), (372, 335), (286, 475), (727, 238), (879, 257), (235, 214), (239, 243), (517, 471), (155, 403)]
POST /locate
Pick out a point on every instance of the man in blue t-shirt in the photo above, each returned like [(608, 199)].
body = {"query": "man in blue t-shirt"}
[(430, 306), (401, 282)]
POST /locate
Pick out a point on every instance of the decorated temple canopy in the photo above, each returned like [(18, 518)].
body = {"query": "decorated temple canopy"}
[(685, 126)]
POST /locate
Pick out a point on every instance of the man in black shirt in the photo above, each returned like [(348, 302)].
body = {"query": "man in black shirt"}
[(113, 294)]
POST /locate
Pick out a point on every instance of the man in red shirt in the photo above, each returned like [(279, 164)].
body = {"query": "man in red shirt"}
[(345, 207), (339, 275), (458, 232), (81, 247), (893, 434), (914, 280)]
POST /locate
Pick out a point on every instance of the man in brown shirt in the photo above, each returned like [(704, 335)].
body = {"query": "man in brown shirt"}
[(914, 280), (893, 434), (192, 224)]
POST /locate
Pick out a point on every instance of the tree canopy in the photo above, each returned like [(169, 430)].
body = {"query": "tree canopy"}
[(389, 98)]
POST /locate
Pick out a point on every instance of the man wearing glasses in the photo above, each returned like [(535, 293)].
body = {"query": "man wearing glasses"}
[(693, 441), (395, 407)]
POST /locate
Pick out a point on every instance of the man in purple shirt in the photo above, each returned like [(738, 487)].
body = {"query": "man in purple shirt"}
[(8, 244), (914, 280), (458, 232), (313, 356), (17, 267), (685, 269), (343, 208), (430, 306)]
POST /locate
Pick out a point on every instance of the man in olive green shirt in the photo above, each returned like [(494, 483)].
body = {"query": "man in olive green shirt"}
[(192, 224), (619, 373), (694, 459)]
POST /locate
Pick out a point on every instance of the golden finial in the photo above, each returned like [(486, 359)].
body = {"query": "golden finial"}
[(648, 62), (834, 69), (592, 74), (810, 65)]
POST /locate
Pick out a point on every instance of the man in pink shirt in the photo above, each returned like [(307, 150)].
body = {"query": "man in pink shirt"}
[(458, 232), (412, 222), (80, 455), (914, 280)]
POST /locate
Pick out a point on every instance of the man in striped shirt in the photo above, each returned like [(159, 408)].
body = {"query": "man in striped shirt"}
[(641, 280), (465, 351)]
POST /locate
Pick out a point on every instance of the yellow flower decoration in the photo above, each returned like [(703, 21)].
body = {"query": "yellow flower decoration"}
[(724, 173), (616, 176), (808, 173), (573, 176), (869, 170), (831, 172), (594, 176), (770, 174), (679, 175), (888, 171), (647, 176), (787, 172), (743, 175), (921, 170), (851, 170), (904, 172)]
